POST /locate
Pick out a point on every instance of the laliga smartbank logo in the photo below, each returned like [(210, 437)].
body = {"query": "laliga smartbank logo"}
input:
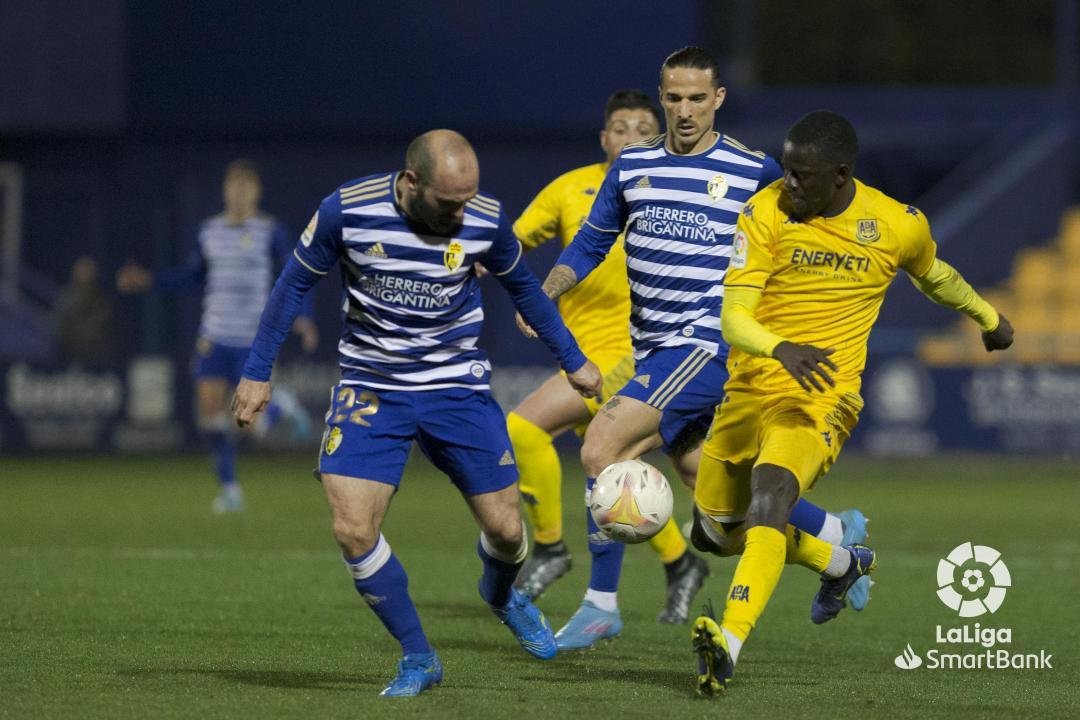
[(972, 581)]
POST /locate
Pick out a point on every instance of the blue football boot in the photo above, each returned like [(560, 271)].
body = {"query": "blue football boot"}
[(588, 626), (416, 673), (831, 598), (855, 533), (528, 624)]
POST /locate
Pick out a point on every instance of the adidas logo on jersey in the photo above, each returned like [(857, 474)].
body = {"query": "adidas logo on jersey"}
[(643, 380), (376, 250), (506, 459), (643, 182)]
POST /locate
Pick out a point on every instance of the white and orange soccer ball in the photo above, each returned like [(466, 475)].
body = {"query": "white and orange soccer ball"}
[(631, 501)]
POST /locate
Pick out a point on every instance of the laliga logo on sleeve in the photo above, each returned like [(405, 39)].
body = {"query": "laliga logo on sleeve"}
[(972, 580), (739, 248)]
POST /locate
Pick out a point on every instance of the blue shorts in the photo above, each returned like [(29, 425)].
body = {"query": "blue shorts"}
[(461, 431), (218, 361), (685, 383)]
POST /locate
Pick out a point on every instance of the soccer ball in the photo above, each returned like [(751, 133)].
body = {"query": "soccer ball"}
[(631, 501)]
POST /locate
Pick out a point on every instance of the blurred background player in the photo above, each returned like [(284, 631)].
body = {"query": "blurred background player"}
[(681, 193), (235, 262), (410, 370), (813, 257), (83, 329), (597, 311)]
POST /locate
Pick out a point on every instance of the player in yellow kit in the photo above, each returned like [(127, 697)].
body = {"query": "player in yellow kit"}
[(812, 259), (597, 313)]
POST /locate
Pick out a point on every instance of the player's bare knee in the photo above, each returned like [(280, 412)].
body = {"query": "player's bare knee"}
[(355, 539), (596, 455), (774, 492), (506, 537)]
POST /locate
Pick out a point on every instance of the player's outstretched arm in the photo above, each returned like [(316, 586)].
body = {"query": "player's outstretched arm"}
[(560, 280), (278, 316), (251, 398), (945, 286), (540, 313)]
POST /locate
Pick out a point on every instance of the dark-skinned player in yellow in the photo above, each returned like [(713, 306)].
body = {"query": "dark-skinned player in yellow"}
[(812, 258)]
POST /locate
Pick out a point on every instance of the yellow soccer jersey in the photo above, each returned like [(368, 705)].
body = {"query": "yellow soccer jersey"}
[(823, 280), (597, 310)]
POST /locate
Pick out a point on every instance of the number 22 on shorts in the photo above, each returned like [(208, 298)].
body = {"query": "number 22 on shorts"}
[(346, 401)]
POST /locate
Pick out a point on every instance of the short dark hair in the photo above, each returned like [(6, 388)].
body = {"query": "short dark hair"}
[(692, 56), (631, 100), (830, 133)]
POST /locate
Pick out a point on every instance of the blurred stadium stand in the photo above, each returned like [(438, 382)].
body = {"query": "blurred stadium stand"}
[(117, 118)]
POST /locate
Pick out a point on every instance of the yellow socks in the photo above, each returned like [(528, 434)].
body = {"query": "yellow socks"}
[(807, 550), (669, 543), (756, 577), (540, 478)]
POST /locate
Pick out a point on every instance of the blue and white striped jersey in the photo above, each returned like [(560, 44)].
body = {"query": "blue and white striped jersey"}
[(238, 262), (412, 312), (678, 213)]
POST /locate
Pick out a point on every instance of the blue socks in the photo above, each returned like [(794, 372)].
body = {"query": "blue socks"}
[(500, 571), (808, 517), (381, 581), (223, 453), (607, 554)]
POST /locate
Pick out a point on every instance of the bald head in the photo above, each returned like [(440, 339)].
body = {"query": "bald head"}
[(441, 175), (442, 155)]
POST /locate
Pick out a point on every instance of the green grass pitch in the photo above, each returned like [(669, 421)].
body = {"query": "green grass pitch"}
[(122, 597)]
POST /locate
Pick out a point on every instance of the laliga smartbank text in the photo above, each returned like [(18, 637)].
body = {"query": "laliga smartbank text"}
[(991, 657)]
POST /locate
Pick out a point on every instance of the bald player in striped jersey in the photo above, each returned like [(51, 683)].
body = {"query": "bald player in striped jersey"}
[(408, 243), (235, 260), (677, 197)]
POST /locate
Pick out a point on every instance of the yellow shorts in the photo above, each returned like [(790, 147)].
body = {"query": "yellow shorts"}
[(617, 371), (800, 432)]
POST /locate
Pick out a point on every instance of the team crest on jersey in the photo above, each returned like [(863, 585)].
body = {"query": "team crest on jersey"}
[(717, 187), (454, 256), (739, 247), (309, 232), (867, 231), (333, 440)]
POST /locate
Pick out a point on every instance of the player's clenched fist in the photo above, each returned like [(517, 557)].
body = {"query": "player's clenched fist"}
[(1000, 337), (251, 398), (587, 380)]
